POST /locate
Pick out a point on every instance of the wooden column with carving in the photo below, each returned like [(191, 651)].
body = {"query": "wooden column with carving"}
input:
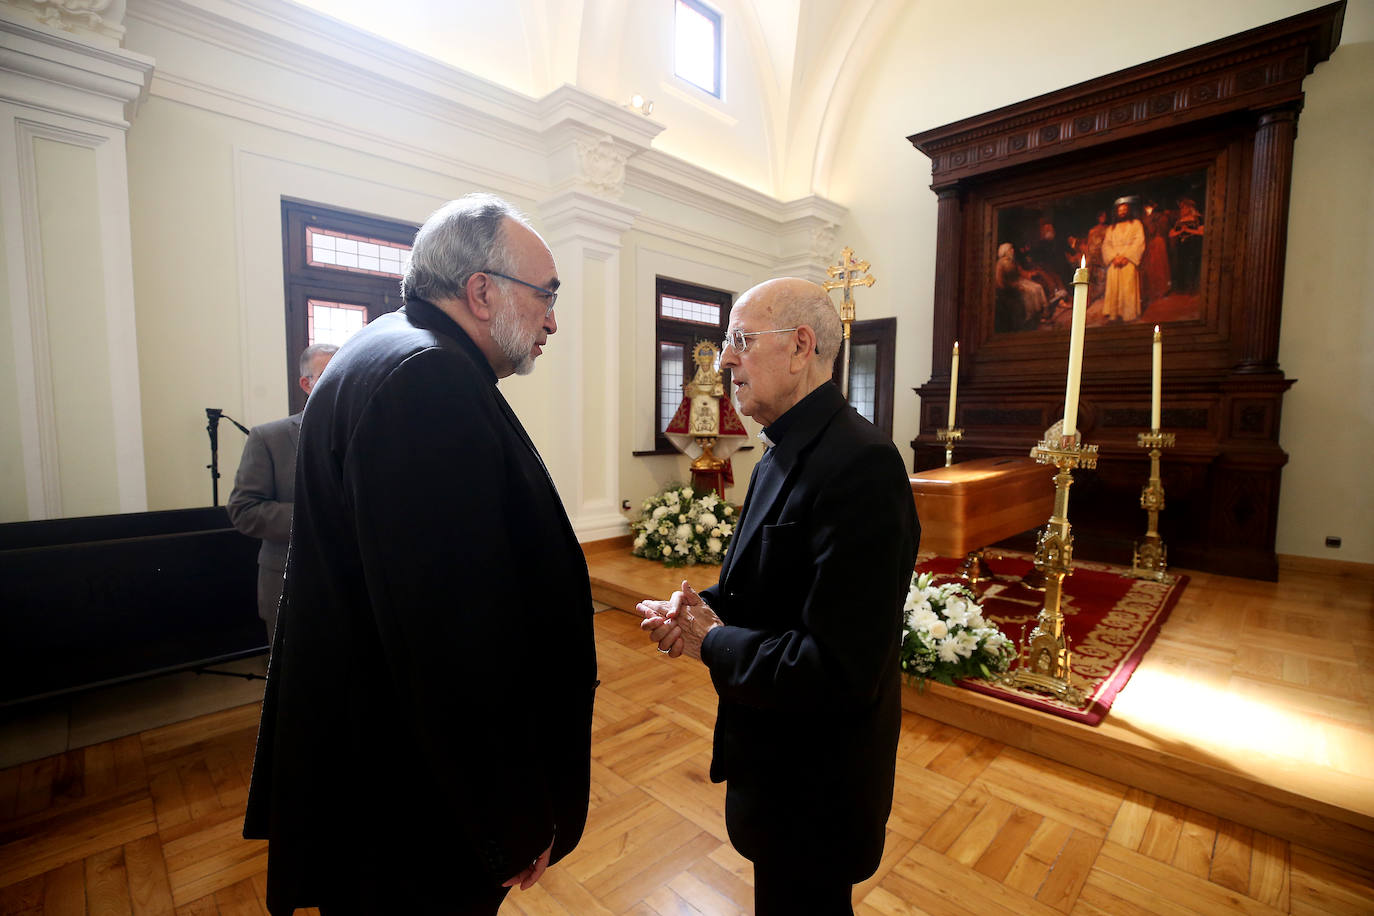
[(948, 229), (1266, 237)]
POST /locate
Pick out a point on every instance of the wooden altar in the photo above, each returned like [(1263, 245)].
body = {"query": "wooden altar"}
[(1199, 147)]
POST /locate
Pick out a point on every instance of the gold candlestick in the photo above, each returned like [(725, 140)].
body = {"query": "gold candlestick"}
[(949, 437), (1149, 561), (1043, 664)]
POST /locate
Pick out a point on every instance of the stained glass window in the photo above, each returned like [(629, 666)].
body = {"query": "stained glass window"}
[(707, 313), (333, 322), (355, 253)]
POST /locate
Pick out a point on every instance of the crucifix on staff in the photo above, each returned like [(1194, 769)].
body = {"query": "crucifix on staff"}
[(844, 276)]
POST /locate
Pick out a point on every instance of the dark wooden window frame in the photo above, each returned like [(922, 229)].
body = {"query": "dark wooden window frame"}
[(669, 330), (883, 332), (304, 282)]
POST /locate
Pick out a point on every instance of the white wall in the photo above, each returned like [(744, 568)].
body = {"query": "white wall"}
[(231, 128), (1019, 50), (69, 402), (253, 101)]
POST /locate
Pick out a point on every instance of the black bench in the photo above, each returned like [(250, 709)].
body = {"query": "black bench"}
[(102, 599)]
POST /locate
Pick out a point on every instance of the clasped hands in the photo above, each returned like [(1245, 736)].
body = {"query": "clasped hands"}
[(679, 624)]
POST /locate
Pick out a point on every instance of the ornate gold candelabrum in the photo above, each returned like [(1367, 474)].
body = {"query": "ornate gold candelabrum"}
[(949, 437), (1150, 560), (1043, 661)]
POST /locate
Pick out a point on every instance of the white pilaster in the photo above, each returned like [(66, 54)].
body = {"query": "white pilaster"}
[(69, 85), (584, 231)]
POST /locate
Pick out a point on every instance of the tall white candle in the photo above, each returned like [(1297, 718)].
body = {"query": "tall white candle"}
[(1080, 314), (953, 384), (1156, 373)]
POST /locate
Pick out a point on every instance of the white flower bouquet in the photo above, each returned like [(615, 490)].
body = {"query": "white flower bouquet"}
[(681, 527), (945, 635)]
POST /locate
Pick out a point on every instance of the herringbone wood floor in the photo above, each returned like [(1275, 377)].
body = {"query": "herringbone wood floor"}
[(150, 824)]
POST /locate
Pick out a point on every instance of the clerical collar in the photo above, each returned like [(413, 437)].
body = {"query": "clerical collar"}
[(774, 433), (422, 313)]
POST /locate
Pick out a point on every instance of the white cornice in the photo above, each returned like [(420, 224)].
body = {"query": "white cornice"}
[(570, 105), (56, 71), (298, 41), (304, 42), (765, 259), (293, 120), (594, 221), (663, 174)]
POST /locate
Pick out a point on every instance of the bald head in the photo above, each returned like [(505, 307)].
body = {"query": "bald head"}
[(792, 302), (791, 336)]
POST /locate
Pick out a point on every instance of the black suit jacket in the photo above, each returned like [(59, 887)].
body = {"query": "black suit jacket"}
[(411, 717), (807, 668)]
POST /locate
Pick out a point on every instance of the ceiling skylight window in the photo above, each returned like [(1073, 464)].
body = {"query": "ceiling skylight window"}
[(698, 45)]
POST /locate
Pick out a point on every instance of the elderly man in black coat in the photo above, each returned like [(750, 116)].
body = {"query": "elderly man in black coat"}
[(414, 755), (801, 633)]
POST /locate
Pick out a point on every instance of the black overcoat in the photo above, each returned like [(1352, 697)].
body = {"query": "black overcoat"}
[(807, 666), (429, 696)]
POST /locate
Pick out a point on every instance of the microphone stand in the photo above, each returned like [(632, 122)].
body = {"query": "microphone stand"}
[(213, 415)]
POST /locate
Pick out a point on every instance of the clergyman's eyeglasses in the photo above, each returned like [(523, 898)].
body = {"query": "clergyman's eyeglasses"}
[(739, 340), (550, 295)]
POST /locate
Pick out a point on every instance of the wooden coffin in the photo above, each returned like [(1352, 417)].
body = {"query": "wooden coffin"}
[(976, 503)]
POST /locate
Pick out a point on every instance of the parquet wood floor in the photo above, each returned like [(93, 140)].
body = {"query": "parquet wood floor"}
[(1256, 702), (149, 824)]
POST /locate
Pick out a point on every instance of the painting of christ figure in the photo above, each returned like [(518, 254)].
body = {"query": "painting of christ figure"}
[(1142, 243)]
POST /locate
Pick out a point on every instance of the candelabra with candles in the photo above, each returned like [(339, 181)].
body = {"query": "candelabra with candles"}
[(1150, 559), (949, 437), (1043, 663), (951, 434)]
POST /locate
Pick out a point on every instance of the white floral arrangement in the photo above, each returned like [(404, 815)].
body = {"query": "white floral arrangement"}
[(945, 635), (681, 527)]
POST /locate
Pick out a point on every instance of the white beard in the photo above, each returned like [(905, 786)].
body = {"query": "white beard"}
[(514, 343)]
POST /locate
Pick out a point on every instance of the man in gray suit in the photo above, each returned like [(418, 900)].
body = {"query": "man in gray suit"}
[(265, 487)]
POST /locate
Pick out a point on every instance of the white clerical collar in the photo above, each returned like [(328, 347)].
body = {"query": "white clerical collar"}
[(763, 437)]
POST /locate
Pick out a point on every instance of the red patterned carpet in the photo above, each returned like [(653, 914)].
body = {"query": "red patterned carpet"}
[(1110, 619)]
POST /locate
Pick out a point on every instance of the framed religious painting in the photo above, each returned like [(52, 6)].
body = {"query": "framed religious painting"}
[(1142, 243), (1154, 227), (1169, 182)]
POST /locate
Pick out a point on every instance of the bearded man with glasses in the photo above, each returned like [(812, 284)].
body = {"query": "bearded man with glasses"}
[(412, 757), (801, 633)]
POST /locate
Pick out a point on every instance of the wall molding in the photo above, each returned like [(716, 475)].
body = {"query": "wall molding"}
[(60, 73), (543, 132), (33, 348)]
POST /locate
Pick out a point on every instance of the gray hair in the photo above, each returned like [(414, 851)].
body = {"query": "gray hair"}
[(309, 353), (814, 309), (461, 238)]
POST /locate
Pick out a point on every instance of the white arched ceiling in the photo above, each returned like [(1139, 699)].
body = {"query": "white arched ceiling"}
[(841, 49), (789, 67), (599, 40)]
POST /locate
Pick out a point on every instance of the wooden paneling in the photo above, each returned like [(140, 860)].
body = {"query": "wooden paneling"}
[(1228, 109)]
